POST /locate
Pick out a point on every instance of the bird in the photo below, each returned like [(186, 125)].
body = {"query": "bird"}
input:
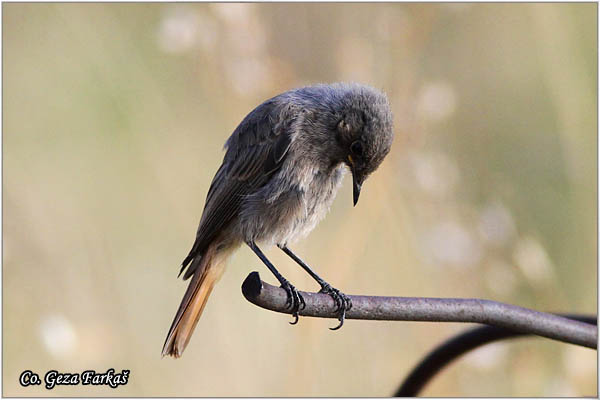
[(282, 168)]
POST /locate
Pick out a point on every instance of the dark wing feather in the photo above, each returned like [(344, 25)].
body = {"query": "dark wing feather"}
[(255, 151)]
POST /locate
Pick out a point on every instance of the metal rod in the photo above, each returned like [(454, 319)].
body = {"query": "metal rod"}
[(455, 347), (383, 308)]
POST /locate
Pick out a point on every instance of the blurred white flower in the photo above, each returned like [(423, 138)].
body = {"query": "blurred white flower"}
[(487, 357), (436, 101), (246, 62), (435, 173), (496, 224), (500, 277), (233, 13), (532, 259), (247, 76), (57, 335), (450, 243), (178, 31)]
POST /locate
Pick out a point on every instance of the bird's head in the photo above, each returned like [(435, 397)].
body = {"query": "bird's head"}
[(364, 132)]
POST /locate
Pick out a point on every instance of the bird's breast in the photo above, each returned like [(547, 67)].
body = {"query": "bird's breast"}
[(290, 206), (318, 192)]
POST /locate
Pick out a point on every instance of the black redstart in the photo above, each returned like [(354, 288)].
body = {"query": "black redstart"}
[(282, 168)]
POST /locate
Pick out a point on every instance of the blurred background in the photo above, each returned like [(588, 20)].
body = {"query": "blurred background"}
[(114, 120)]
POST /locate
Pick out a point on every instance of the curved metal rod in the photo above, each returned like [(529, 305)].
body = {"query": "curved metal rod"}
[(457, 346), (428, 309)]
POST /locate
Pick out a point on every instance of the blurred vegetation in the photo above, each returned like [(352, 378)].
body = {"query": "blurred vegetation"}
[(114, 120)]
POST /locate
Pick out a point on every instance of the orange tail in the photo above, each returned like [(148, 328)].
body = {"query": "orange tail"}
[(206, 275)]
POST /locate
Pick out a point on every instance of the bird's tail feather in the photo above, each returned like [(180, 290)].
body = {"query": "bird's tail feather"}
[(206, 274)]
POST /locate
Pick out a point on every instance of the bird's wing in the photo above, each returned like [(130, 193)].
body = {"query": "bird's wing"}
[(255, 151)]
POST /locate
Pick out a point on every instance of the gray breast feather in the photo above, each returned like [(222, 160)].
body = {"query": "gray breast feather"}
[(283, 210)]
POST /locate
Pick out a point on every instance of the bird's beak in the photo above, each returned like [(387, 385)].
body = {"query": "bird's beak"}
[(357, 181)]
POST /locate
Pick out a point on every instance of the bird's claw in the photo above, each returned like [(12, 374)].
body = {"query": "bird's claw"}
[(343, 303), (294, 302)]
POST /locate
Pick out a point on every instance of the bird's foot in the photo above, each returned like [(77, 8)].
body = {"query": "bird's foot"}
[(294, 302), (342, 302)]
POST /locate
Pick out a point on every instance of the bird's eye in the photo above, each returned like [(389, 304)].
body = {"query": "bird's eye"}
[(356, 148)]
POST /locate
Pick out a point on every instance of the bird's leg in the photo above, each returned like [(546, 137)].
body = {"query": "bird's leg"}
[(342, 302), (295, 301)]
